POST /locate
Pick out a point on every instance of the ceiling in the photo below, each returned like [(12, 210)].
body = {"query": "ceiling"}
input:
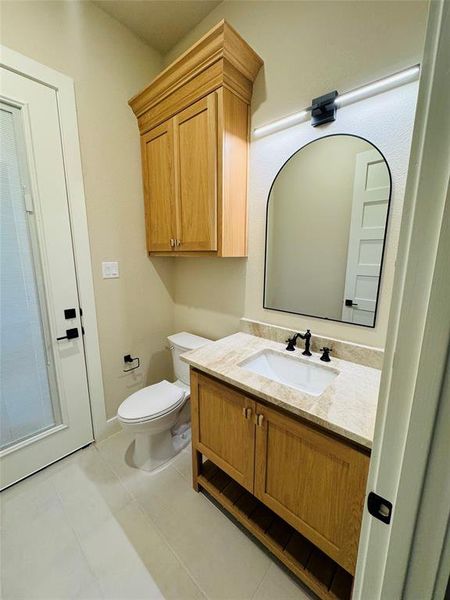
[(160, 23)]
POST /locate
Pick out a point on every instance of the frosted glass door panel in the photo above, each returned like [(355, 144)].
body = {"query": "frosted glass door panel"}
[(44, 395), (27, 393)]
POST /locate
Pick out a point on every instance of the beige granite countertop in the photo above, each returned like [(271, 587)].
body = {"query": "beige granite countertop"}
[(347, 406)]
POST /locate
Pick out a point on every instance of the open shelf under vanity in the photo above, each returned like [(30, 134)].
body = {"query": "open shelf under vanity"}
[(319, 572)]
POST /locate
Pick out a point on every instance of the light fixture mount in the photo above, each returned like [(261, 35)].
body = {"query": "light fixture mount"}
[(323, 109)]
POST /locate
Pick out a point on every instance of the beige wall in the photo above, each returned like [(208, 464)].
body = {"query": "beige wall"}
[(309, 214), (210, 295), (108, 64), (308, 48)]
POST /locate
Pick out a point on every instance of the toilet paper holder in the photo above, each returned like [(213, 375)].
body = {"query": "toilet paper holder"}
[(128, 359)]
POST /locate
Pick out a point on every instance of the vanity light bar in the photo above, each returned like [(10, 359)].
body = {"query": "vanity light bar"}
[(376, 87), (293, 119), (381, 85)]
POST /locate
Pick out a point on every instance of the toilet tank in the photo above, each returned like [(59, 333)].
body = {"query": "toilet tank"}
[(179, 344)]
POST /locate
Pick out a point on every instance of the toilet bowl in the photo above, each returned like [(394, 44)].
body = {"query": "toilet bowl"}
[(153, 413)]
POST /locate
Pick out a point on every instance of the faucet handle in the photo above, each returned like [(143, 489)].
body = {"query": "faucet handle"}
[(291, 343), (326, 354)]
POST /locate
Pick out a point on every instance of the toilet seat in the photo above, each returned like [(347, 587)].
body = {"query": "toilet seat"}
[(151, 402)]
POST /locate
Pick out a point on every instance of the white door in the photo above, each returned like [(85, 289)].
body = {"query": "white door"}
[(45, 409), (371, 189), (409, 466)]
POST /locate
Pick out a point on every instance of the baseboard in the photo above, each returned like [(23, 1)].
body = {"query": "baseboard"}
[(111, 427)]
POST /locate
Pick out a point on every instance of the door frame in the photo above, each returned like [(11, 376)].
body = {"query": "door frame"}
[(65, 95), (410, 440)]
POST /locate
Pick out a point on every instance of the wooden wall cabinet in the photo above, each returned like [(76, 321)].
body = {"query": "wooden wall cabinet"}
[(194, 125), (311, 479)]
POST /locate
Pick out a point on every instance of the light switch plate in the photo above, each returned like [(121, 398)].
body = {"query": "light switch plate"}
[(110, 270)]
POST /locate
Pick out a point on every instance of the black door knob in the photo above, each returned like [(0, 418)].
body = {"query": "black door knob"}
[(350, 303), (70, 334)]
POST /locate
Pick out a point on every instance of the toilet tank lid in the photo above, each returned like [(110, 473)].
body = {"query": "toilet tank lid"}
[(187, 341)]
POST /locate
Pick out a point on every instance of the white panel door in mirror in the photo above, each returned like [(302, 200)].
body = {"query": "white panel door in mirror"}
[(371, 192)]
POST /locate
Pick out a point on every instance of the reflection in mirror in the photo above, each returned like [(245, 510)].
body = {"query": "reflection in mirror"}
[(326, 224)]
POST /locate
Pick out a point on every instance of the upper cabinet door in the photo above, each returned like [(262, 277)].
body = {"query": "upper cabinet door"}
[(195, 135), (159, 187)]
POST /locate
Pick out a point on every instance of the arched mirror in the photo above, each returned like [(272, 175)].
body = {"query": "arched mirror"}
[(327, 215)]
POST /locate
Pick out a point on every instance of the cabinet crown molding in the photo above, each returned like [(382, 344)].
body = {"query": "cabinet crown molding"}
[(222, 45)]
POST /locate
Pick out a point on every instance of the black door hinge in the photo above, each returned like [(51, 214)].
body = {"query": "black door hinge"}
[(81, 318)]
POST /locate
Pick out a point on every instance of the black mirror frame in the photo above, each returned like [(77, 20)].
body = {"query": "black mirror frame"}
[(384, 241)]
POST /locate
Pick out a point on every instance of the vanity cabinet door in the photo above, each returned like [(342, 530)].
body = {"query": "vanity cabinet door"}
[(195, 131), (159, 187), (313, 481), (223, 427)]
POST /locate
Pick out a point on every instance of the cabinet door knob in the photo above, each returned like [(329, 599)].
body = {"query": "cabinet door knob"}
[(247, 412), (259, 420), (178, 242), (172, 242)]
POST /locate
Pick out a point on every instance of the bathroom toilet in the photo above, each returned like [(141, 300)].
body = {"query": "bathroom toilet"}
[(157, 415)]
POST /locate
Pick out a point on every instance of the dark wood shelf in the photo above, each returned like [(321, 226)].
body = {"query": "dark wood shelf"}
[(314, 568)]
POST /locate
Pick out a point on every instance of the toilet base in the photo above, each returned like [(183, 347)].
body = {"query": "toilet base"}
[(152, 451)]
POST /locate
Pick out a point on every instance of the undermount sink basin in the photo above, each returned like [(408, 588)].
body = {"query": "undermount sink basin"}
[(299, 373)]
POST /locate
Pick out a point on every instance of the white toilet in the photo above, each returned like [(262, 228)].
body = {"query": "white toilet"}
[(152, 413)]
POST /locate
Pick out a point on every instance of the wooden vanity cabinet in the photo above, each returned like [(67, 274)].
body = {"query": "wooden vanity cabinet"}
[(223, 428), (313, 481), (310, 478), (194, 125)]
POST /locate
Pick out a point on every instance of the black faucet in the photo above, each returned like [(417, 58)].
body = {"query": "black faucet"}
[(291, 342)]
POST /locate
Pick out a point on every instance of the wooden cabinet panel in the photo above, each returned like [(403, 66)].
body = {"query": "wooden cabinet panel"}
[(223, 428), (313, 481), (203, 98), (195, 132), (233, 159), (159, 186)]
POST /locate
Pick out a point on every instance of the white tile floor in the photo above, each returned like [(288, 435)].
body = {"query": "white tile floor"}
[(92, 527)]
